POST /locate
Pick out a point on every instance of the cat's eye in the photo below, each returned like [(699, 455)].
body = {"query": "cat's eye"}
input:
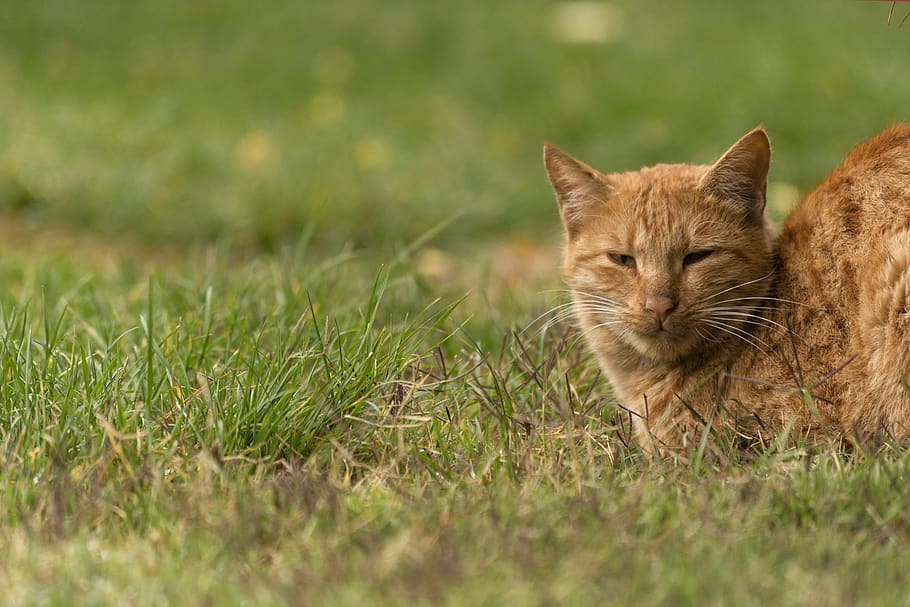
[(695, 256), (622, 260)]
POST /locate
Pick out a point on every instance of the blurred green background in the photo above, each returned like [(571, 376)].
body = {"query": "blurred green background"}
[(367, 123)]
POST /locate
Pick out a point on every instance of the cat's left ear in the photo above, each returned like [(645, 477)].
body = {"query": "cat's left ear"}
[(741, 174), (578, 187)]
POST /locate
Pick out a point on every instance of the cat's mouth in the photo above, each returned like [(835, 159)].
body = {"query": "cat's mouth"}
[(660, 330), (663, 334), (662, 342)]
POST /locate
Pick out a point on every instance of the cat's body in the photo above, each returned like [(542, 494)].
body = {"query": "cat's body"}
[(698, 313)]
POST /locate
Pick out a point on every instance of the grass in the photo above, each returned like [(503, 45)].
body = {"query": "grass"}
[(269, 287)]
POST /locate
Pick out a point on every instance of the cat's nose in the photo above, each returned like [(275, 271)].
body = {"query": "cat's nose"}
[(660, 306)]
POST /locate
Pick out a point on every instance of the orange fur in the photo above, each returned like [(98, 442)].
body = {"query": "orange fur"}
[(698, 312)]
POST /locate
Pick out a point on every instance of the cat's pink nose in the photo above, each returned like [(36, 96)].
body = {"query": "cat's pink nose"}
[(660, 306)]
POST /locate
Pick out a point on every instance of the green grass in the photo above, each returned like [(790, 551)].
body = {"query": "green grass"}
[(269, 282)]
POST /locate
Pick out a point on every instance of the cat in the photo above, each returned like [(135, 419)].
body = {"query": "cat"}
[(701, 316)]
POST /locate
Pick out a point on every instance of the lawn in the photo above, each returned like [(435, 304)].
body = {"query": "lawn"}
[(275, 283)]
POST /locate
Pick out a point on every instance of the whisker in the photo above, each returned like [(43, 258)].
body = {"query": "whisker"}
[(702, 335), (747, 307), (600, 326), (743, 284), (576, 311), (769, 298), (743, 335), (747, 341), (601, 302), (595, 296), (749, 321), (567, 309), (573, 310), (757, 319), (556, 311), (738, 329), (565, 315), (576, 292), (780, 329)]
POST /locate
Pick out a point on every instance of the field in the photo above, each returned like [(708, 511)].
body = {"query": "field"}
[(273, 281)]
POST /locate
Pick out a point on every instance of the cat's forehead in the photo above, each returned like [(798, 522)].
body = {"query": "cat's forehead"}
[(655, 206), (665, 195), (660, 180)]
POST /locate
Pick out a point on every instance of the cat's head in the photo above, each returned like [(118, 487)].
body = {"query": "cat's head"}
[(671, 259)]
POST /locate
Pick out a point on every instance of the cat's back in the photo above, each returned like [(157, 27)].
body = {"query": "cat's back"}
[(848, 246), (827, 237), (869, 190), (841, 250), (884, 155)]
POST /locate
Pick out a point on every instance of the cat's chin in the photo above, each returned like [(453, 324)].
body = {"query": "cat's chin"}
[(663, 346)]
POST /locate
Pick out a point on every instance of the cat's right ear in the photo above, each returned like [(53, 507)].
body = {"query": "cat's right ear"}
[(741, 174), (578, 187)]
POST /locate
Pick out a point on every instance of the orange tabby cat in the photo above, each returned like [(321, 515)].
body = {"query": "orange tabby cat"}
[(699, 314)]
